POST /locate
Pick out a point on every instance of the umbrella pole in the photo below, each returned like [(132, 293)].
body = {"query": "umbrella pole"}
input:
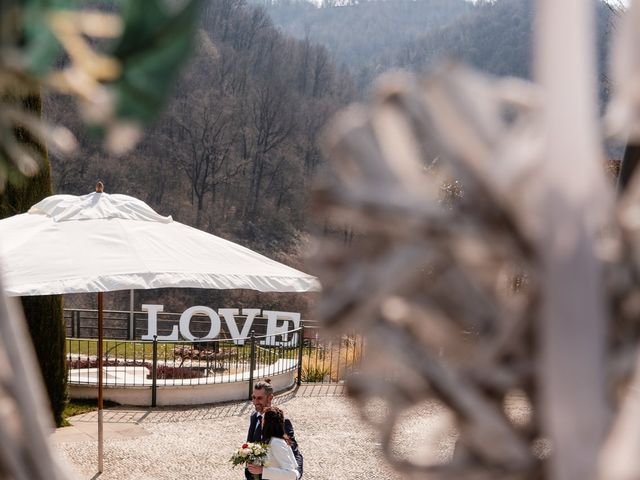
[(132, 319), (100, 367)]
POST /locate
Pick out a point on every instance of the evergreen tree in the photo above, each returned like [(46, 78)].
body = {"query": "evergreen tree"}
[(43, 313)]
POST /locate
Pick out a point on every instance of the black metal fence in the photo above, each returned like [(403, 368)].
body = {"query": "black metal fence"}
[(133, 325), (133, 362)]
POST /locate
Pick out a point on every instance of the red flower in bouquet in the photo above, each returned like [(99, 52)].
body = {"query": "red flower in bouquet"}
[(254, 453)]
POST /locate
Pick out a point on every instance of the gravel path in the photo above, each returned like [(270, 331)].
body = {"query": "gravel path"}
[(197, 442)]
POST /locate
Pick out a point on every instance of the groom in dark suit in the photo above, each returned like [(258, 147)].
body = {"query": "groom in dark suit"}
[(261, 398)]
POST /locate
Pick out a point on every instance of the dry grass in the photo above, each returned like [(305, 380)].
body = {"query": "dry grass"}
[(332, 361)]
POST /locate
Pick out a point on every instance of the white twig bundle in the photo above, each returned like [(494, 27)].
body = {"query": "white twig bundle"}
[(489, 257)]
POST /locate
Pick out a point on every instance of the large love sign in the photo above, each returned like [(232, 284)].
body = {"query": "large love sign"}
[(277, 333)]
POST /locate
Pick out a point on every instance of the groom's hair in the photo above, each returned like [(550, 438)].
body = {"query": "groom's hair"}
[(264, 385)]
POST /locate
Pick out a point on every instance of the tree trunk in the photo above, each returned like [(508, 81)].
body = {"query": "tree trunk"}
[(43, 313)]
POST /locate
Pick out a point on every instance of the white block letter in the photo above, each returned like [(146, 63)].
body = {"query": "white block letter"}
[(152, 324), (273, 330), (229, 315), (185, 320)]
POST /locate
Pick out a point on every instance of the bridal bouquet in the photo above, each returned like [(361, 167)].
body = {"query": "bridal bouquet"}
[(255, 453)]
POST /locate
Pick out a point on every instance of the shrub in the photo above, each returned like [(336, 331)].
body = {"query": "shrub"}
[(93, 363), (332, 360), (167, 372), (314, 374)]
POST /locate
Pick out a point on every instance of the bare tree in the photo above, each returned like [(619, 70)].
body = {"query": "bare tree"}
[(271, 121), (203, 147)]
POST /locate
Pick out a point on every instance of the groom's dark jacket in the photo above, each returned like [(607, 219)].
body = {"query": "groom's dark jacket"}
[(255, 435)]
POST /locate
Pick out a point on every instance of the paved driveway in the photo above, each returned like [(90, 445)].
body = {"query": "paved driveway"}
[(196, 443)]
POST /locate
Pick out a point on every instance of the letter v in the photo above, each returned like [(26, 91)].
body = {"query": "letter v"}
[(229, 315)]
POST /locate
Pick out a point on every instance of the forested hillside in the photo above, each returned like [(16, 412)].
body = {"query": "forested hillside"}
[(362, 34), (497, 38), (358, 31), (494, 36), (236, 150)]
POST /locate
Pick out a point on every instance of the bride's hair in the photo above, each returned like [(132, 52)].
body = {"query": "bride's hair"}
[(273, 424)]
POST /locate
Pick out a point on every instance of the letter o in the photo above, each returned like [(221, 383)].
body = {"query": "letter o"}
[(185, 321)]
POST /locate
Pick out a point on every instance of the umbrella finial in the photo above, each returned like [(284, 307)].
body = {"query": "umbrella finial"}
[(99, 187)]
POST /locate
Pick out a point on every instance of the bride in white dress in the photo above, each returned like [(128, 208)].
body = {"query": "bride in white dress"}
[(280, 463)]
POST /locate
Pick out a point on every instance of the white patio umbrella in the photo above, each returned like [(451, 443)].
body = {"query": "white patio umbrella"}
[(101, 242)]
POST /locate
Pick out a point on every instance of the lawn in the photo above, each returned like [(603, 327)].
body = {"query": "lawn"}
[(77, 406)]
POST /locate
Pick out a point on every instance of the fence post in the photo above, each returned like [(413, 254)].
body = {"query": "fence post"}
[(76, 324), (300, 353), (252, 362), (154, 371), (132, 318)]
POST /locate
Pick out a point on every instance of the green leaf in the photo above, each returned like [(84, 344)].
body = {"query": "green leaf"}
[(40, 48), (154, 44)]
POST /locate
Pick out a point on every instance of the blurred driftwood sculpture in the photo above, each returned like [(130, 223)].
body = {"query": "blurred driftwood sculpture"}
[(25, 419), (525, 279)]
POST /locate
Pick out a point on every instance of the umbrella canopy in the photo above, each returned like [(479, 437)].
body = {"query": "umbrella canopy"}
[(104, 242), (101, 242)]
